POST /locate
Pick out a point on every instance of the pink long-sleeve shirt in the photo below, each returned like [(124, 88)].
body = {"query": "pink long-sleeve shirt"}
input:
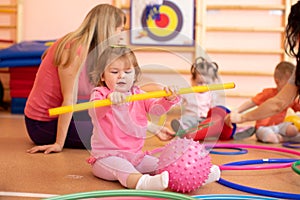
[(120, 130)]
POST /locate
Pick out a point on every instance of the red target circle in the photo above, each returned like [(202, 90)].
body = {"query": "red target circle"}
[(164, 22)]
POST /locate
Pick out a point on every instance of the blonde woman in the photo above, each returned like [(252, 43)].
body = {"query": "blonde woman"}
[(56, 82)]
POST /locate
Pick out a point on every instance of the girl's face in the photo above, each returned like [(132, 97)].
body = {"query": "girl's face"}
[(199, 80), (119, 76)]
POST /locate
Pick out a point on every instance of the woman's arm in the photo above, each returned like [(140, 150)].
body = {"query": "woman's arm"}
[(67, 78), (270, 107), (245, 106)]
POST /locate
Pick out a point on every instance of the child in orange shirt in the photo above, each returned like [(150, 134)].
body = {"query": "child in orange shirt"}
[(273, 129)]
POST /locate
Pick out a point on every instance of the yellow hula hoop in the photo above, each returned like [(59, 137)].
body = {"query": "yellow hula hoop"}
[(136, 97)]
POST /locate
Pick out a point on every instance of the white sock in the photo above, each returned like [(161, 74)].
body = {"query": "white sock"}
[(268, 137), (157, 182), (214, 175)]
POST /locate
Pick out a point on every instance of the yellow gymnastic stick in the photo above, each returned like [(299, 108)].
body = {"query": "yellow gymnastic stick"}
[(136, 97)]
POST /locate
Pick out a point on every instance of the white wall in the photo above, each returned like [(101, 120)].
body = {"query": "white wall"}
[(51, 19)]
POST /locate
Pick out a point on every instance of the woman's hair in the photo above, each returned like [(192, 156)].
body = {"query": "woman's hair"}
[(209, 70), (99, 24), (292, 46), (109, 55)]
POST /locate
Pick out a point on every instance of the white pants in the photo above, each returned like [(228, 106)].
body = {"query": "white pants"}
[(115, 168)]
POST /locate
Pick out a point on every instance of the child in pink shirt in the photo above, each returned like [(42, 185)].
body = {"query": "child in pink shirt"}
[(120, 129), (203, 114), (197, 105)]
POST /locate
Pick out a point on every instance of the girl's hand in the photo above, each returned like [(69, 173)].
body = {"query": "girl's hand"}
[(172, 89), (227, 120), (46, 148), (235, 117), (117, 97), (165, 134)]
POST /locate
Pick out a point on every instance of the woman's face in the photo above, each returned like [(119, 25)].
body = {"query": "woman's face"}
[(120, 34), (119, 29), (119, 76)]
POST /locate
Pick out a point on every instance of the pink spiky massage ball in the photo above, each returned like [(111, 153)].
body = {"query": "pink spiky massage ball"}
[(187, 162)]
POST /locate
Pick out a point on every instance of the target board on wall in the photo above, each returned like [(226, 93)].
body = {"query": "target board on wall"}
[(162, 22)]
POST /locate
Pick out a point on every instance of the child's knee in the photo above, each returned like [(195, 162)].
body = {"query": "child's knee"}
[(291, 130), (268, 137)]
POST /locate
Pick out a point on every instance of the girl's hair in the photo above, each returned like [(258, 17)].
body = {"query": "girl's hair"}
[(109, 55), (292, 39), (99, 24), (209, 70)]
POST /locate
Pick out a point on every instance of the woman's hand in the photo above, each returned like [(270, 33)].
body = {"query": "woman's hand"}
[(55, 148)]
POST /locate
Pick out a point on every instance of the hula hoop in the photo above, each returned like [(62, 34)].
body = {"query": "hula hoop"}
[(291, 145), (231, 197), (123, 193), (280, 195), (238, 152), (289, 151), (278, 149), (233, 165), (295, 168)]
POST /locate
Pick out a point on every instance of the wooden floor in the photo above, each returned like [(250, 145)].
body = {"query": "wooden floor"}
[(23, 174)]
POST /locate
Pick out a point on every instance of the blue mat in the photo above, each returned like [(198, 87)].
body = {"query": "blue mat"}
[(20, 62), (18, 105), (27, 53)]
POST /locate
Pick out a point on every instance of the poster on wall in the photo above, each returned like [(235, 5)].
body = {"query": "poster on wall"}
[(162, 22)]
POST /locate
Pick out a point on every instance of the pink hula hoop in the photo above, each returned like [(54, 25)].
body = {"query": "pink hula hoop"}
[(257, 167)]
